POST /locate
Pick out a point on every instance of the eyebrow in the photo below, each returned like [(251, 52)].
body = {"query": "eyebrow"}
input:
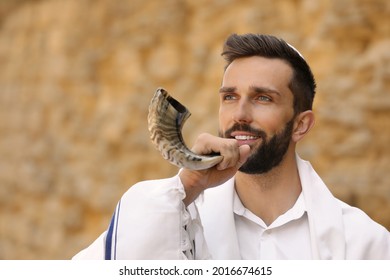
[(227, 89), (255, 89)]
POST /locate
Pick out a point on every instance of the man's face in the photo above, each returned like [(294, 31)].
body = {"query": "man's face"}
[(256, 108)]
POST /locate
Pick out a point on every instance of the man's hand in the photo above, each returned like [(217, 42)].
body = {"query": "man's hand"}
[(234, 156)]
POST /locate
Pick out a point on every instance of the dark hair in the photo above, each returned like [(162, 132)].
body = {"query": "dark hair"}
[(302, 84)]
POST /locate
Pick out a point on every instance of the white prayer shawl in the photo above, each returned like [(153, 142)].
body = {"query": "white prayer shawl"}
[(151, 222)]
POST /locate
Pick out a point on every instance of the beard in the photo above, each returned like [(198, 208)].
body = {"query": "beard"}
[(270, 153)]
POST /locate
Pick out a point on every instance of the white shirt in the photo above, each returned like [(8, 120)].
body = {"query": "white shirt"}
[(288, 237)]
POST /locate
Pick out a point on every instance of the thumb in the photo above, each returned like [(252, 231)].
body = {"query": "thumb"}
[(245, 151)]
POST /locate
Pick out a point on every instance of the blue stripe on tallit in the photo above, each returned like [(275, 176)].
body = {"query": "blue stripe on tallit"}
[(110, 235)]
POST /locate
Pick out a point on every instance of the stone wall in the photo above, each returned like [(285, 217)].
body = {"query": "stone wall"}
[(76, 77)]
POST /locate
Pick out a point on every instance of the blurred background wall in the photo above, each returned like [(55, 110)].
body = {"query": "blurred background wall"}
[(76, 78)]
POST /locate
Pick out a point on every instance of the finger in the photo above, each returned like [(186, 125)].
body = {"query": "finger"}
[(206, 144), (245, 151), (231, 154)]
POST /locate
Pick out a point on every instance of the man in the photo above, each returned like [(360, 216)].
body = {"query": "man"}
[(262, 201)]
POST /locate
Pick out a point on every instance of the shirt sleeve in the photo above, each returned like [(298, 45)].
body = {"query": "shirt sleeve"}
[(151, 222)]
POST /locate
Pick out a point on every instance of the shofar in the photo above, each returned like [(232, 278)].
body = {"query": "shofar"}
[(165, 122)]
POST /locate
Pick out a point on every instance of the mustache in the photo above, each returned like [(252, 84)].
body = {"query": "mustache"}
[(244, 127)]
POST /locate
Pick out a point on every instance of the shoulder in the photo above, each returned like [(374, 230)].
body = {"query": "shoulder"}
[(354, 218), (168, 191), (365, 238)]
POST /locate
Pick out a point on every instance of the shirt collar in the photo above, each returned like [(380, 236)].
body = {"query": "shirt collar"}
[(294, 213)]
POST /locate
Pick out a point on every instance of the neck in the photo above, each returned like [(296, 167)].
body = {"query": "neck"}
[(271, 194)]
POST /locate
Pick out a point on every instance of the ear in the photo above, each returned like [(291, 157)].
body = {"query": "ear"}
[(303, 123)]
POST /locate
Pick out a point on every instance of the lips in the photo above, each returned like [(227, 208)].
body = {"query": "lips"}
[(245, 137), (245, 134)]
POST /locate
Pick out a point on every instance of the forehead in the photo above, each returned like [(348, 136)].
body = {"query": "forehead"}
[(258, 71)]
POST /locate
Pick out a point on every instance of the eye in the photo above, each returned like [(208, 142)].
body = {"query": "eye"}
[(264, 98), (228, 97)]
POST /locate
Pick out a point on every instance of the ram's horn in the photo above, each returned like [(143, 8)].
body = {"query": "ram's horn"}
[(165, 121)]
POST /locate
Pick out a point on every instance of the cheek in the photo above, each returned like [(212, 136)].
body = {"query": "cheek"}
[(272, 122), (223, 119)]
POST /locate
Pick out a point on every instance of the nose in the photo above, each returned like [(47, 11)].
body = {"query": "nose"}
[(243, 112)]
